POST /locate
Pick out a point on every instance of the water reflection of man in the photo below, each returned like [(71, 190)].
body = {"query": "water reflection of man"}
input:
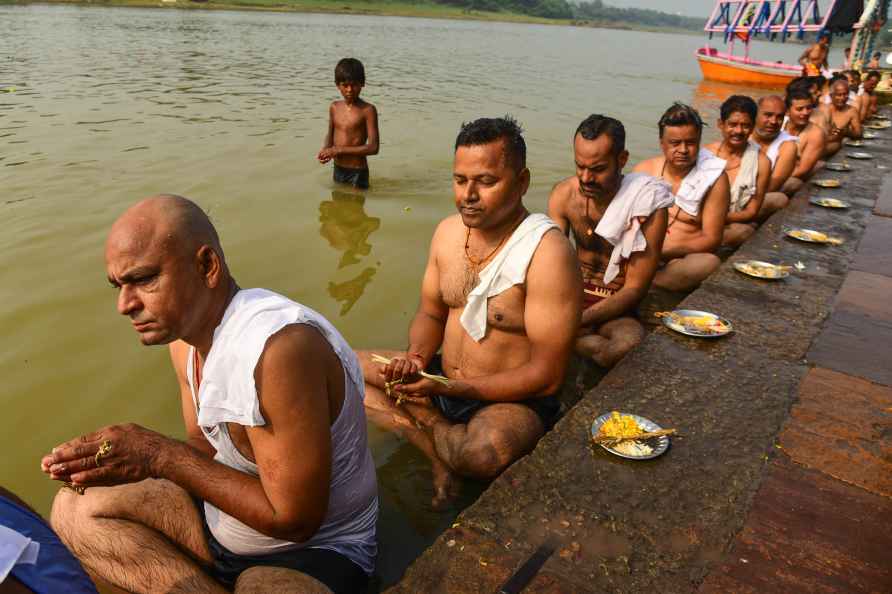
[(346, 226), (501, 295), (348, 292)]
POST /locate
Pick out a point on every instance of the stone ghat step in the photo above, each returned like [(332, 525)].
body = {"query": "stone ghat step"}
[(666, 524)]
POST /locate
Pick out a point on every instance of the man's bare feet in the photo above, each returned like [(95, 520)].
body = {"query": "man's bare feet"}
[(446, 487)]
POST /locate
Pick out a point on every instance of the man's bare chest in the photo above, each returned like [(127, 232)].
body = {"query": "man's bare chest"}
[(503, 311)]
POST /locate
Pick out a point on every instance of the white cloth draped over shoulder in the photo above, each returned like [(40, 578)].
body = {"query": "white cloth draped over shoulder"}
[(639, 195), (744, 185), (698, 181), (507, 269)]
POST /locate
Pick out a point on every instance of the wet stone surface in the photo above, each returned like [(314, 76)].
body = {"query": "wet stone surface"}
[(842, 426), (665, 524), (874, 255), (808, 533), (884, 202)]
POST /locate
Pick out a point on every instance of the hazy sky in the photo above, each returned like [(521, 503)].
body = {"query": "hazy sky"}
[(686, 7)]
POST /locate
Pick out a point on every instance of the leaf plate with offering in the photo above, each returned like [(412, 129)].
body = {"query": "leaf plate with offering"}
[(837, 166), (811, 236), (829, 202), (878, 125), (861, 155), (700, 324), (765, 270), (870, 135), (827, 183), (630, 436), (853, 142)]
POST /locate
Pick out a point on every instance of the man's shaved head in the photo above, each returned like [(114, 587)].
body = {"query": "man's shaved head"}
[(164, 257), (772, 100), (174, 221)]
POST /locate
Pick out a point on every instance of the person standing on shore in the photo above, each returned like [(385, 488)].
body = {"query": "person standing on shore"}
[(352, 128), (618, 224), (275, 481), (779, 147), (747, 168), (499, 311), (702, 195)]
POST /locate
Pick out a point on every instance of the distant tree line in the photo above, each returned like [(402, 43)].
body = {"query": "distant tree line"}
[(594, 11)]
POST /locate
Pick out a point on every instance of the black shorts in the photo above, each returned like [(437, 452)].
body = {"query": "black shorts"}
[(358, 178), (337, 572), (460, 410)]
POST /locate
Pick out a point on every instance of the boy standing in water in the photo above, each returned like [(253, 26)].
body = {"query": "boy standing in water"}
[(352, 128)]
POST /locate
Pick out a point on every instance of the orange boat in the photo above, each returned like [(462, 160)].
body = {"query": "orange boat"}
[(728, 68), (744, 20)]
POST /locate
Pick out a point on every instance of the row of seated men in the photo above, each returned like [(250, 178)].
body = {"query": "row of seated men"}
[(274, 488)]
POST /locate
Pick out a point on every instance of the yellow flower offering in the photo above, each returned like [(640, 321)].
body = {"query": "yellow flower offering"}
[(620, 427)]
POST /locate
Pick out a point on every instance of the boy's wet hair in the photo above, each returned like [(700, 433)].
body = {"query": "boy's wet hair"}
[(797, 93), (596, 125), (680, 114), (349, 70), (486, 130), (801, 83), (819, 80), (799, 80), (738, 104), (873, 74)]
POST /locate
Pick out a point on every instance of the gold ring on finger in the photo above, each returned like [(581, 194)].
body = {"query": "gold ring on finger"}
[(104, 450)]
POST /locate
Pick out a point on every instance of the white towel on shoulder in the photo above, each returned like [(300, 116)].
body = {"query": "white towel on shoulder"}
[(698, 181), (744, 186), (507, 269), (639, 195)]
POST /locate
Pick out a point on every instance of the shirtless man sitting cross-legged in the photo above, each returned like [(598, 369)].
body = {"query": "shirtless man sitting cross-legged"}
[(839, 119), (501, 297), (810, 137), (867, 106), (747, 168), (701, 188), (602, 208), (779, 146)]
